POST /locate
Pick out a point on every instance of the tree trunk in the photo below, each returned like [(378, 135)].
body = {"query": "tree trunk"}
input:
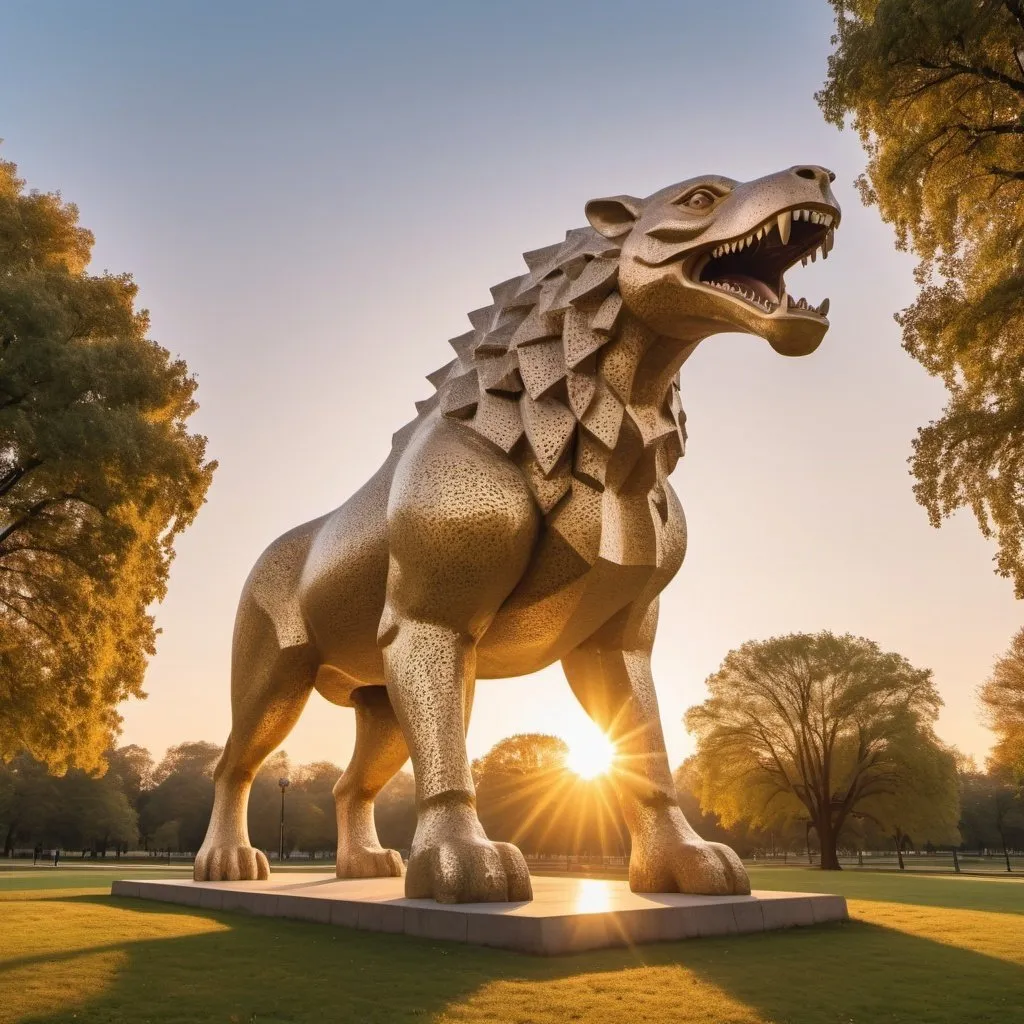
[(827, 842), (1006, 852)]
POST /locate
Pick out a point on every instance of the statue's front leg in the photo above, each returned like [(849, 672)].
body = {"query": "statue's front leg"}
[(461, 527), (451, 860), (615, 687)]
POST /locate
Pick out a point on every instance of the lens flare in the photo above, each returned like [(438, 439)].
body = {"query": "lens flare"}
[(591, 756)]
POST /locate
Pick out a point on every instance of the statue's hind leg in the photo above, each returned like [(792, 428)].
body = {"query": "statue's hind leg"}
[(379, 752), (611, 676), (269, 689)]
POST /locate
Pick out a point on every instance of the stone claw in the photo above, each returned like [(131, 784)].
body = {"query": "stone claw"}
[(673, 858), (453, 861), (366, 862), (230, 864)]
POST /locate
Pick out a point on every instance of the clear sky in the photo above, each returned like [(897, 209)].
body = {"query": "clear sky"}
[(311, 197)]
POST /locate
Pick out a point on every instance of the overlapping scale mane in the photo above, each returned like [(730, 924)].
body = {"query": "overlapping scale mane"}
[(526, 375)]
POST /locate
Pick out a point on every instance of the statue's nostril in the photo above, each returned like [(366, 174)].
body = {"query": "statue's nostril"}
[(806, 172)]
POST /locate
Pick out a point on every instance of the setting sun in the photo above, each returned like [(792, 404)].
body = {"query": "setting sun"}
[(591, 755)]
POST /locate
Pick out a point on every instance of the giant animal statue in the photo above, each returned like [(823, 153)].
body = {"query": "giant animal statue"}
[(523, 517)]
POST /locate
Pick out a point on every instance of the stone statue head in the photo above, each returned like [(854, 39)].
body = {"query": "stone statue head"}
[(710, 254)]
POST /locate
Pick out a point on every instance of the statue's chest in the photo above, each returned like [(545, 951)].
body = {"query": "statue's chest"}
[(598, 552)]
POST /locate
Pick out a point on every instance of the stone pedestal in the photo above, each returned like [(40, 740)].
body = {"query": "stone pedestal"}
[(567, 915)]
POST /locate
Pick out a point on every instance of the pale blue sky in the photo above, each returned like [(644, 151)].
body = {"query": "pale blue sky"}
[(312, 195)]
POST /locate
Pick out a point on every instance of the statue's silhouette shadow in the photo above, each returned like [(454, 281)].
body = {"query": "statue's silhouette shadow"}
[(265, 969)]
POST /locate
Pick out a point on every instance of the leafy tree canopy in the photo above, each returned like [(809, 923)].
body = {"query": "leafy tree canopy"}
[(1002, 698), (75, 812), (936, 92), (98, 476), (523, 754), (992, 811), (823, 727)]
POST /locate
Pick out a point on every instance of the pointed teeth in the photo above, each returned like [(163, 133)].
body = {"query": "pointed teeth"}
[(785, 222), (744, 293), (821, 310)]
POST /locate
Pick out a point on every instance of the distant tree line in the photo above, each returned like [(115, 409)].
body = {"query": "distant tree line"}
[(139, 804), (525, 794)]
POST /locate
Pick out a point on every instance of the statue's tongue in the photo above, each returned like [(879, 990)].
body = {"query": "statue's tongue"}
[(753, 284)]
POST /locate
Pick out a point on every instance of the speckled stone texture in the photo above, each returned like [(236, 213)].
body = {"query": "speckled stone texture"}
[(523, 517), (566, 915)]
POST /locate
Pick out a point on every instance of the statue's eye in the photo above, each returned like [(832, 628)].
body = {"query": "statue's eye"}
[(700, 200)]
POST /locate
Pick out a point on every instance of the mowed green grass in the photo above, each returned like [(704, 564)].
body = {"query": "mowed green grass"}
[(919, 949)]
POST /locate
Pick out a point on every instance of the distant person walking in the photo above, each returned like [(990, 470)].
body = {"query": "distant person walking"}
[(56, 857)]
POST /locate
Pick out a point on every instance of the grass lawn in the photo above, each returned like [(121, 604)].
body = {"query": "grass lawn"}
[(920, 949)]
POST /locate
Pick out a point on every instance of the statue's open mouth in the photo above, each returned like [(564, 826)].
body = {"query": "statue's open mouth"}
[(750, 268)]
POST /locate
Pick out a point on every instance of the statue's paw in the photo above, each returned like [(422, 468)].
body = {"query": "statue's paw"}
[(691, 866), (470, 870), (368, 862), (230, 864), (738, 877)]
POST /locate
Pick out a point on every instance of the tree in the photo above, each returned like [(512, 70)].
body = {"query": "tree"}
[(90, 813), (927, 810), (193, 757), (394, 812), (823, 728), (29, 800), (132, 766), (317, 822), (1002, 699), (182, 794), (98, 476), (76, 811), (521, 789), (936, 93), (992, 813)]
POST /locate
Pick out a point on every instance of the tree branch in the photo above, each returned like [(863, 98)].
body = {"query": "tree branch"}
[(1005, 172), (981, 71), (18, 473), (1016, 8)]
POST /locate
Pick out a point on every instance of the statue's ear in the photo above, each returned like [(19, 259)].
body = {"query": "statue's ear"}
[(615, 216)]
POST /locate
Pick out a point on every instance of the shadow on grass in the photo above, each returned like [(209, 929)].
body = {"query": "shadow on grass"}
[(266, 969)]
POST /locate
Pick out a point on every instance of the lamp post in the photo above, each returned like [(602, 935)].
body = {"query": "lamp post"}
[(283, 783)]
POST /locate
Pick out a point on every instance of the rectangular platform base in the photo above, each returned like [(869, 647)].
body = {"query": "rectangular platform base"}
[(566, 915)]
